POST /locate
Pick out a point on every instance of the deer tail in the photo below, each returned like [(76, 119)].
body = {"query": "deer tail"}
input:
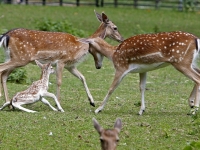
[(198, 45), (4, 39)]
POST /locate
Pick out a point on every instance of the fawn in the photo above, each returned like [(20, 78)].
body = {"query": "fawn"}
[(35, 92)]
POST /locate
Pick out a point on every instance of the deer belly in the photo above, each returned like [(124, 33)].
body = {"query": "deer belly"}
[(140, 68)]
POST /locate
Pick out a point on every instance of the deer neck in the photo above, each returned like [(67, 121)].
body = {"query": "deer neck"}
[(100, 32), (105, 49), (45, 78)]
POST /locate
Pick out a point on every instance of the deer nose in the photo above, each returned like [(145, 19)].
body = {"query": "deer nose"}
[(121, 40), (98, 66)]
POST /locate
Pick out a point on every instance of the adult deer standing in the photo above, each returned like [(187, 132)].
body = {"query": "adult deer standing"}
[(35, 92), (23, 46), (143, 53), (108, 137)]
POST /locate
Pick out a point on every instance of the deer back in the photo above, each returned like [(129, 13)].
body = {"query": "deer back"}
[(167, 47), (28, 45)]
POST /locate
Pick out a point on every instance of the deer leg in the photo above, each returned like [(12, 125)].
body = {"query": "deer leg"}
[(192, 96), (46, 102), (142, 91), (5, 69), (59, 71), (4, 105), (4, 77), (54, 97), (195, 76), (77, 74), (118, 77), (17, 105)]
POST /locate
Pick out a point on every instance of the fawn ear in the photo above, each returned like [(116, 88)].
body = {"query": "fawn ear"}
[(98, 16), (48, 64), (97, 126), (118, 125), (38, 63)]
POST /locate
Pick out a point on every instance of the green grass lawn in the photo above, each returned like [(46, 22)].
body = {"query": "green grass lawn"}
[(165, 123)]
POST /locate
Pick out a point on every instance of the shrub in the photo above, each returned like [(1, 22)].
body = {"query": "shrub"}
[(18, 76), (60, 26)]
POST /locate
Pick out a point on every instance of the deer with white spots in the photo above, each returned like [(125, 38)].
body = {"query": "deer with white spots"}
[(23, 46), (147, 52), (35, 92), (109, 137)]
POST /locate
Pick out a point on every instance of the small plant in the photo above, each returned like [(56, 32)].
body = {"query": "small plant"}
[(192, 146), (60, 26), (138, 30), (18, 76), (189, 5), (156, 29)]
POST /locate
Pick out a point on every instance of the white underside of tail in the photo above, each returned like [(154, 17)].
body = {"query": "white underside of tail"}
[(198, 45), (196, 56), (2, 40), (6, 49)]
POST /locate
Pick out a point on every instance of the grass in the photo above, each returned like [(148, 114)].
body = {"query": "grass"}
[(164, 125)]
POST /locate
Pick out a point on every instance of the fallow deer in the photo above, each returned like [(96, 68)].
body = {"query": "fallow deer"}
[(35, 92), (147, 52), (108, 137), (23, 46)]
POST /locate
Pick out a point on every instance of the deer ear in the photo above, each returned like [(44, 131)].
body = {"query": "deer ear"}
[(98, 16), (38, 63), (97, 126), (105, 18), (118, 125)]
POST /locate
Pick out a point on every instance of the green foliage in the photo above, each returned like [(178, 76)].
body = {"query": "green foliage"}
[(195, 130), (164, 124), (192, 146), (59, 26), (189, 5), (18, 76), (138, 30)]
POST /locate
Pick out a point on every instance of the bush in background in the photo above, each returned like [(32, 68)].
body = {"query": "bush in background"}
[(18, 76), (60, 26)]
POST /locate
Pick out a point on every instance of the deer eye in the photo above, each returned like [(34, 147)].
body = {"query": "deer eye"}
[(117, 140), (101, 140), (115, 28)]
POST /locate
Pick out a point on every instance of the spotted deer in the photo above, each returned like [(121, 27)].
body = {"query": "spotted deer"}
[(35, 92), (108, 137), (23, 46), (147, 52)]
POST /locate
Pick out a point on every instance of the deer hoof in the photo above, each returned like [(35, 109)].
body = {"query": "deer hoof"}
[(61, 110), (97, 111), (140, 112), (92, 104)]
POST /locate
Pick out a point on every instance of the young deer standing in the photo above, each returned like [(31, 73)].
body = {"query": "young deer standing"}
[(143, 53), (108, 137), (23, 46), (35, 92)]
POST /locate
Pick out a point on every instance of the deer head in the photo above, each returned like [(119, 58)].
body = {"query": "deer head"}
[(108, 137), (110, 29)]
